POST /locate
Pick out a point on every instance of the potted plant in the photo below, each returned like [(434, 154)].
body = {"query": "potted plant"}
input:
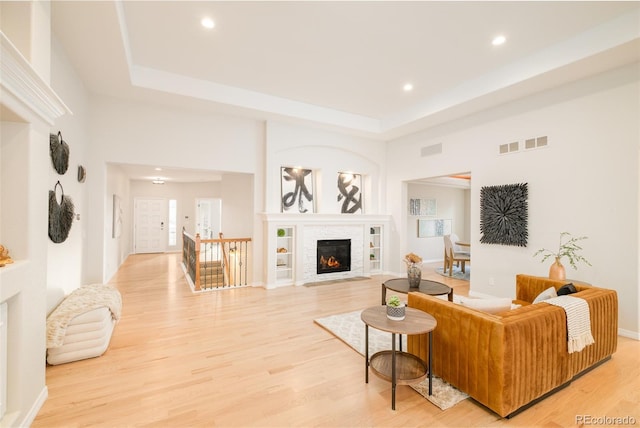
[(569, 248), (395, 309)]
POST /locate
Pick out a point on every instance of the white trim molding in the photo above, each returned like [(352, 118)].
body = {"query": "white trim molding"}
[(23, 90)]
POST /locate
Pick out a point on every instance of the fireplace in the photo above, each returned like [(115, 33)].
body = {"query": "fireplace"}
[(333, 255)]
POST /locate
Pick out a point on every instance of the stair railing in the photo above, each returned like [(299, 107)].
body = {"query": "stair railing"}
[(215, 263)]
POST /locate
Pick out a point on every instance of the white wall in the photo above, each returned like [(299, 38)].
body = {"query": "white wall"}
[(327, 154), (237, 206), (116, 249), (452, 203), (23, 215), (586, 181), (65, 260)]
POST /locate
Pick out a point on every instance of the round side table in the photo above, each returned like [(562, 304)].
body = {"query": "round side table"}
[(396, 366)]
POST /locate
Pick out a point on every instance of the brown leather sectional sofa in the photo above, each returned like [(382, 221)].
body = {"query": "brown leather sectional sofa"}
[(509, 360)]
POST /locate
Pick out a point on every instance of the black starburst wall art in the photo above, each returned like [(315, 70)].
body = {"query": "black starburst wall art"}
[(504, 214)]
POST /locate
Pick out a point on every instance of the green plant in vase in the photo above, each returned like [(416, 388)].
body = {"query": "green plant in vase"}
[(568, 247), (395, 309)]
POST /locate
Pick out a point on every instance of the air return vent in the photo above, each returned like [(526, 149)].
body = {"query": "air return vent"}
[(531, 143), (535, 143), (435, 149), (509, 148)]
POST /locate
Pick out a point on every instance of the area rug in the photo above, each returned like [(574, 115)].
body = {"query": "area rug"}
[(457, 273), (349, 328)]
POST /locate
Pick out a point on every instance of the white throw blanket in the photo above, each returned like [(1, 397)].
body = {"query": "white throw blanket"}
[(80, 301), (578, 321)]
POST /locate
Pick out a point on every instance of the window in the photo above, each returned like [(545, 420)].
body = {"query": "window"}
[(173, 215)]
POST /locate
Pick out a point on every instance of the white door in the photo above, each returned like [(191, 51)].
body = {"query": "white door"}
[(208, 218), (151, 227)]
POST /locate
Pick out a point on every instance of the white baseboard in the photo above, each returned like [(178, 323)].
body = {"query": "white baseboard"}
[(30, 416), (628, 333)]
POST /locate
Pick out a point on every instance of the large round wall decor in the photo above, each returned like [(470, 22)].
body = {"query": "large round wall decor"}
[(504, 214), (59, 151), (60, 215)]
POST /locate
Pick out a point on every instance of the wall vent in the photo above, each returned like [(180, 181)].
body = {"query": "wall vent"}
[(530, 143), (536, 143), (509, 148), (435, 149)]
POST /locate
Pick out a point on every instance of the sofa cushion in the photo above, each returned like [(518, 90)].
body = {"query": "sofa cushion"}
[(567, 289), (491, 306), (546, 294)]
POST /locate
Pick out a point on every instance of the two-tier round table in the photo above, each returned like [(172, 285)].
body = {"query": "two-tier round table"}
[(400, 368)]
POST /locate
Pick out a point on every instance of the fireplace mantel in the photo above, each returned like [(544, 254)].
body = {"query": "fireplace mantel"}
[(306, 229), (325, 218)]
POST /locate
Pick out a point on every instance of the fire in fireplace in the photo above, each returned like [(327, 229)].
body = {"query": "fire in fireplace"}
[(334, 255)]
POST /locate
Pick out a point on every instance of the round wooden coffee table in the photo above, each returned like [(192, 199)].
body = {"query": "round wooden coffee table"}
[(394, 366), (401, 285)]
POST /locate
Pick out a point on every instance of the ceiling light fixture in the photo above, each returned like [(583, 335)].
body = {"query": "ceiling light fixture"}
[(208, 23), (158, 181), (408, 87), (498, 40), (158, 169)]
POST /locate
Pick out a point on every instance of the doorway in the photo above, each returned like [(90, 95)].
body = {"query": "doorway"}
[(449, 201), (209, 225), (208, 217), (150, 234)]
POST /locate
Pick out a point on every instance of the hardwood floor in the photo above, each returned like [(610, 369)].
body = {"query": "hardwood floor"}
[(254, 357)]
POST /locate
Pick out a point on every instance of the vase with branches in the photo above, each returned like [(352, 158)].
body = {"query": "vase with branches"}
[(568, 247), (414, 271)]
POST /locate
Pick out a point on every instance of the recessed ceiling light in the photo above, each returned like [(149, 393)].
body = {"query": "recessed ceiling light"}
[(498, 40), (158, 169), (408, 87), (208, 23)]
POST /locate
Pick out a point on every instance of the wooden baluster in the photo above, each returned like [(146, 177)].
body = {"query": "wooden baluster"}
[(225, 263), (197, 268)]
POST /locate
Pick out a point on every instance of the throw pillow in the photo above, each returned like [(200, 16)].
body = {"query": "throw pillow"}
[(492, 306), (567, 289), (546, 294)]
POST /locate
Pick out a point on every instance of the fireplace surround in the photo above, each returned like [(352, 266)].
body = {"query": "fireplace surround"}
[(302, 232)]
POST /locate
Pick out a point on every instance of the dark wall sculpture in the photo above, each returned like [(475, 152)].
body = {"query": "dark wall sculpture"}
[(60, 215), (504, 214), (59, 151)]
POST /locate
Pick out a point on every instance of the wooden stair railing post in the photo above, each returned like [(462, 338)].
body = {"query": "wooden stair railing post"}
[(197, 251), (225, 257)]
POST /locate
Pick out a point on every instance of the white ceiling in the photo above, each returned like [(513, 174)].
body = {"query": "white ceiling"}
[(342, 64)]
